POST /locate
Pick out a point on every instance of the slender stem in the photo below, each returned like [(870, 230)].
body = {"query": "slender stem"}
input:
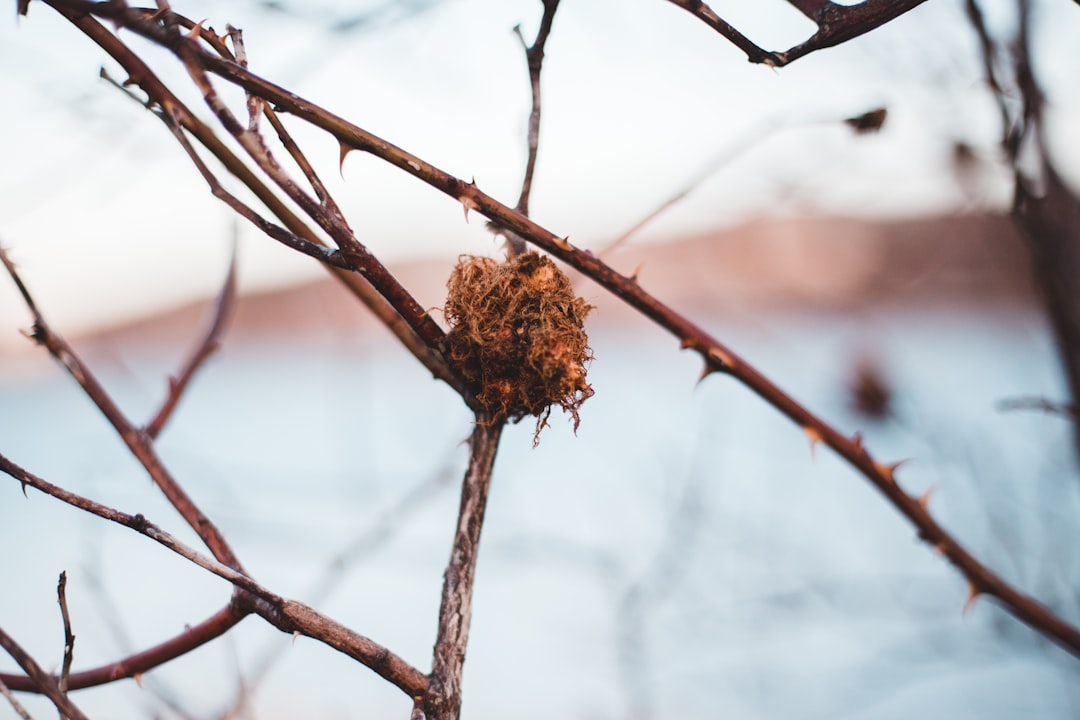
[(207, 346), (193, 637), (534, 56), (44, 682), (287, 615), (298, 235), (140, 445), (69, 636), (717, 356), (443, 701), (5, 691)]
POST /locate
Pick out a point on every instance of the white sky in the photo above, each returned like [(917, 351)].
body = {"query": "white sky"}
[(108, 218)]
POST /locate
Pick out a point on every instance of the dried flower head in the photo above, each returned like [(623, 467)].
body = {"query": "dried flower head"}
[(517, 336)]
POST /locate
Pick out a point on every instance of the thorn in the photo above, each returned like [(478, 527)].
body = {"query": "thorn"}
[(973, 594), (924, 499), (296, 634), (705, 372), (196, 30), (720, 357), (344, 150), (815, 438), (686, 343), (468, 204), (137, 677), (634, 275), (888, 471), (564, 243), (24, 484)]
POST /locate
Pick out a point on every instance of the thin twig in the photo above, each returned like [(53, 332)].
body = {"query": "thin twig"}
[(703, 12), (716, 355), (69, 636), (137, 442), (1067, 410), (534, 57), (136, 664), (839, 23), (443, 701), (287, 615), (208, 345), (15, 705), (171, 107), (836, 25), (44, 682), (337, 569), (730, 151)]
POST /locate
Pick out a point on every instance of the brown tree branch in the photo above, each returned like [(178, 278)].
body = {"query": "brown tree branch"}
[(208, 345), (704, 13), (134, 665), (717, 356), (298, 236), (836, 25), (140, 445), (839, 23), (287, 615), (1045, 208), (43, 682), (443, 700)]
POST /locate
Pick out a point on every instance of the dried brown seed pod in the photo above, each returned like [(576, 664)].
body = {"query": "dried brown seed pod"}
[(517, 336)]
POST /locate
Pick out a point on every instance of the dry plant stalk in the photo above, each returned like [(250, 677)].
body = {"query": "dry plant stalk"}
[(517, 337)]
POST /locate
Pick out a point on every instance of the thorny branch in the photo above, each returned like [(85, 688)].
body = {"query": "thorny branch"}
[(286, 615), (140, 445), (295, 234), (717, 356), (441, 693), (836, 24)]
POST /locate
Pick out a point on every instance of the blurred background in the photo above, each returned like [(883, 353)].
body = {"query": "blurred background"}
[(686, 554)]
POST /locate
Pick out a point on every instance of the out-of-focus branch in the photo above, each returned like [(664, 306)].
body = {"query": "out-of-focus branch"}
[(1045, 208), (5, 691), (140, 445), (443, 700), (836, 25), (287, 615), (1041, 404), (208, 345), (43, 682), (731, 150), (717, 356)]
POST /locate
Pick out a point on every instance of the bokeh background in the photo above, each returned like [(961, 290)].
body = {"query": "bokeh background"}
[(687, 554)]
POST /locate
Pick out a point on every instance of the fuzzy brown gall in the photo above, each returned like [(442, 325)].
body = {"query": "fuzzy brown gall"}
[(517, 336)]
